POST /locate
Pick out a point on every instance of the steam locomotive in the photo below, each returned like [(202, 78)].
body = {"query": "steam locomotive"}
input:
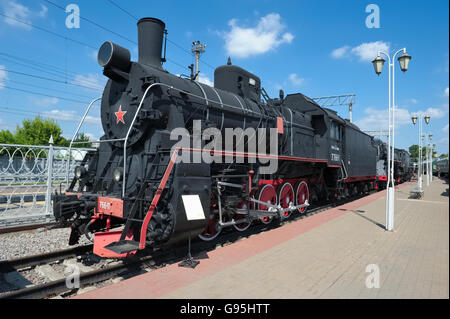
[(136, 182)]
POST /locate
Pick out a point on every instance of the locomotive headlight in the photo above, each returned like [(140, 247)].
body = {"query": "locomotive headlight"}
[(118, 174), (113, 55), (80, 171)]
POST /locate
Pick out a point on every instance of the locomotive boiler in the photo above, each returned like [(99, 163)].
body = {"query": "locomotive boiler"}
[(137, 183)]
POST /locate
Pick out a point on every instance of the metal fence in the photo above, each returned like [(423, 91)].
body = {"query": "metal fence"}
[(29, 174)]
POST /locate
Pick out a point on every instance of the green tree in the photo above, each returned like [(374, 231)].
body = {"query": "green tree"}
[(81, 138), (443, 155), (414, 151), (37, 131), (6, 137)]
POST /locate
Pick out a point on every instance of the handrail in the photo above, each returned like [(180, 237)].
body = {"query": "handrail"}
[(128, 133), (76, 133)]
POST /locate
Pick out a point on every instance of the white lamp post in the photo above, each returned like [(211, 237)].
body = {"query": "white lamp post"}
[(421, 137), (378, 63), (432, 153), (429, 154)]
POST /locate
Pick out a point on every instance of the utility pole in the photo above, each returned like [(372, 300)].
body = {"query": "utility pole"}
[(197, 48), (337, 100)]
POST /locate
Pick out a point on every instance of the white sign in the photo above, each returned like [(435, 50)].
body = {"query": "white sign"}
[(193, 207)]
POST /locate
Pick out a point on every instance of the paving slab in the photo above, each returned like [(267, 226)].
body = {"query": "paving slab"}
[(344, 252)]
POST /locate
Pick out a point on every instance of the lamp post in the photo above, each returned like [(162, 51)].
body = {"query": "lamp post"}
[(414, 119), (429, 154), (378, 63), (432, 152)]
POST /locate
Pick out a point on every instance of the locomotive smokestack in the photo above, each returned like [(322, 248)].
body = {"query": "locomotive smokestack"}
[(150, 40)]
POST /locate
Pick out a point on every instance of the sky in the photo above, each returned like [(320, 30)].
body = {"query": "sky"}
[(48, 67)]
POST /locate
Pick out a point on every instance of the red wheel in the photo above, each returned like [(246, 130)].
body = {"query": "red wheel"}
[(267, 194), (286, 196), (242, 226), (301, 195), (212, 229)]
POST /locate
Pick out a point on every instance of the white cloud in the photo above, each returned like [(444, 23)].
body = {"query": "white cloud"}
[(204, 79), (295, 80), (340, 52), (61, 115), (22, 13), (16, 11), (446, 92), (365, 51), (376, 119), (91, 80), (445, 129), (3, 75), (46, 101), (265, 36), (64, 115), (368, 51), (435, 113), (92, 120)]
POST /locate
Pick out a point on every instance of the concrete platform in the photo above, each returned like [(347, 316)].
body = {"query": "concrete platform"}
[(340, 253)]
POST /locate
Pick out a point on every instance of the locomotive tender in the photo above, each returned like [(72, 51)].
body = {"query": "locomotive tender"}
[(135, 181)]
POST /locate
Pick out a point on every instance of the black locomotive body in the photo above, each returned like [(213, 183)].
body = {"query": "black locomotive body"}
[(136, 180)]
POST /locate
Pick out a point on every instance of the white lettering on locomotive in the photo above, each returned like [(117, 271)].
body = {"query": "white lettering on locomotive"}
[(335, 157), (105, 205)]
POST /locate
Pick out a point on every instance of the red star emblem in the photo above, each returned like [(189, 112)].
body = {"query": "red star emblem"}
[(119, 114)]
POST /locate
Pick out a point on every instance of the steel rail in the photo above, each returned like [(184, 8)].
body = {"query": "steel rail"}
[(39, 259)]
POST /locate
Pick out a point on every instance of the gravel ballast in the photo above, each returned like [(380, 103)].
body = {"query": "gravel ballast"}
[(33, 242)]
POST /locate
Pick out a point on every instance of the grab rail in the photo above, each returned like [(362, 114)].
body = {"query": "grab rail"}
[(76, 133)]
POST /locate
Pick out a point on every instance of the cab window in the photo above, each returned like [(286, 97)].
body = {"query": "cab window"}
[(335, 131)]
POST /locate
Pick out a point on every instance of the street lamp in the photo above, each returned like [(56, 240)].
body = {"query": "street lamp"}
[(404, 61), (378, 63), (421, 138)]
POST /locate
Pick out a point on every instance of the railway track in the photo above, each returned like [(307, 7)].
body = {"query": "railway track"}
[(35, 260), (13, 229), (142, 261)]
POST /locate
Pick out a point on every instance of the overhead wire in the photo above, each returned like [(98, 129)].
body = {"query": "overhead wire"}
[(168, 40), (42, 94), (47, 88), (49, 31), (92, 22), (128, 13), (32, 64), (49, 79)]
